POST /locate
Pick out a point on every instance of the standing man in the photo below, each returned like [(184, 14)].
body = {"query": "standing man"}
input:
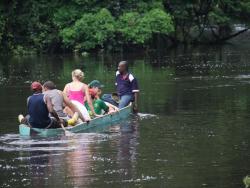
[(126, 86)]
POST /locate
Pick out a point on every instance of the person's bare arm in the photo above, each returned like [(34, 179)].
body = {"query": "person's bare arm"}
[(65, 90), (54, 114), (50, 108), (112, 107), (111, 110), (72, 107)]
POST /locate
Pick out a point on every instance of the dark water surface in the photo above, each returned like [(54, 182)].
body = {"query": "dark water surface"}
[(193, 130)]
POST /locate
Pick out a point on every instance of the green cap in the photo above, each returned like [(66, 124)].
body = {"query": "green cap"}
[(95, 83)]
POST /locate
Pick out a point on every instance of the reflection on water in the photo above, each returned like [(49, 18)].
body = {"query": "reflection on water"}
[(68, 161), (193, 129)]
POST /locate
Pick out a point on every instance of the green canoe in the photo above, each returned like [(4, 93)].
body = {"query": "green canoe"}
[(95, 125)]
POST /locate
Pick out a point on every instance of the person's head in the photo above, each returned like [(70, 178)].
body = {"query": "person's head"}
[(49, 85), (77, 74), (96, 85), (36, 87), (92, 93), (123, 67)]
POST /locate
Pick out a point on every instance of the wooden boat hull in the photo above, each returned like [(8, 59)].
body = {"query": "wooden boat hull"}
[(95, 125)]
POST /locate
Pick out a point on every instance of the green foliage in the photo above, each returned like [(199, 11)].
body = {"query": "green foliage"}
[(139, 28), (92, 24), (65, 16), (130, 27), (244, 7), (218, 16), (93, 30), (158, 21), (20, 50), (90, 31)]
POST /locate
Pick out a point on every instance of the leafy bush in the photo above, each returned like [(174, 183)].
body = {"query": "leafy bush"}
[(92, 24), (131, 29), (158, 21), (90, 31), (139, 28), (65, 16)]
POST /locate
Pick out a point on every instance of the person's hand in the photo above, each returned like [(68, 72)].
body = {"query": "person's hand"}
[(97, 115), (111, 111), (116, 109), (87, 120)]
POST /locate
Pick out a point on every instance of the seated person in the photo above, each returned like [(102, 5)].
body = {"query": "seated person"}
[(39, 110), (78, 93), (127, 89), (126, 86), (58, 99), (99, 105), (97, 87)]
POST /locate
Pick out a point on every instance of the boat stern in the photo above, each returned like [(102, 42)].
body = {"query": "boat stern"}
[(24, 130)]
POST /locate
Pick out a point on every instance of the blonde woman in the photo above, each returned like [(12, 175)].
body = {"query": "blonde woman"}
[(77, 92)]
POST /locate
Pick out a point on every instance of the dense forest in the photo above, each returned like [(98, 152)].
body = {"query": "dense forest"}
[(50, 26)]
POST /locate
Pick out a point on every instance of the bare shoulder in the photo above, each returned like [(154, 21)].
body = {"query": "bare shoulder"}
[(65, 97), (85, 86), (67, 85)]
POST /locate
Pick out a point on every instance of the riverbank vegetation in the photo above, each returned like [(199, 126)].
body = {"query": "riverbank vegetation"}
[(86, 25)]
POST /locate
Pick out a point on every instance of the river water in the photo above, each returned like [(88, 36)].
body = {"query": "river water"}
[(193, 129)]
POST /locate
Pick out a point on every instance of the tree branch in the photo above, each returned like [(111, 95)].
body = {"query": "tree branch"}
[(233, 35)]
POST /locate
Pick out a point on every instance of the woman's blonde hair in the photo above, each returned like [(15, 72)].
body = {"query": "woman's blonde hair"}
[(78, 74)]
